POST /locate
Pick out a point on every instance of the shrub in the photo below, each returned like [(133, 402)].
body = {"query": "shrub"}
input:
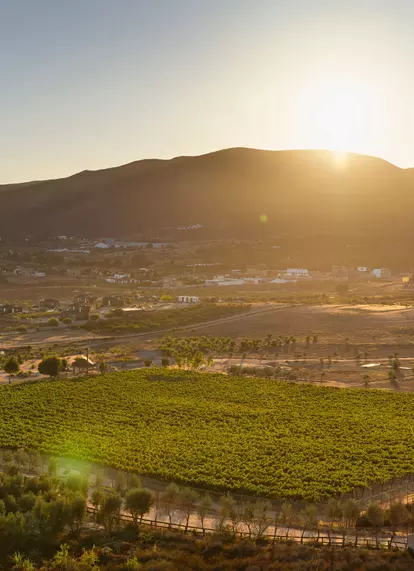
[(53, 322), (67, 321), (50, 366), (22, 329)]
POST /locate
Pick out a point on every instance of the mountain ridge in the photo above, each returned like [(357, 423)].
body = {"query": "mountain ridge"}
[(224, 191)]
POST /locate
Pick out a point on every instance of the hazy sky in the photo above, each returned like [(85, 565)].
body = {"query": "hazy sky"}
[(86, 84)]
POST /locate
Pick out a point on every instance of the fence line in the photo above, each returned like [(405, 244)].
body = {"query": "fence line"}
[(214, 514), (357, 540)]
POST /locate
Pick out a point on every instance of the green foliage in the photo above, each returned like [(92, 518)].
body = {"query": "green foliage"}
[(255, 435), (51, 366), (53, 322), (166, 298), (121, 321), (67, 321), (11, 365), (138, 502)]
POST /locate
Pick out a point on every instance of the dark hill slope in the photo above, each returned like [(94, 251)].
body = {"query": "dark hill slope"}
[(302, 192)]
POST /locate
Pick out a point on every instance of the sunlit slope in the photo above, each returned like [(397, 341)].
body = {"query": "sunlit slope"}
[(226, 191)]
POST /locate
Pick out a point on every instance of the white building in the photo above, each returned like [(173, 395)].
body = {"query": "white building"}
[(298, 272), (381, 273), (101, 245), (188, 299)]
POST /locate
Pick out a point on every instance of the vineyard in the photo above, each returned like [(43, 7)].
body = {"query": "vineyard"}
[(256, 436)]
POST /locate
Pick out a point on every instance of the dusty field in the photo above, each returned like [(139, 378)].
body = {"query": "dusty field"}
[(373, 332), (365, 325)]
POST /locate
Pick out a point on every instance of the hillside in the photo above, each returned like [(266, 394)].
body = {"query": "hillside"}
[(302, 192)]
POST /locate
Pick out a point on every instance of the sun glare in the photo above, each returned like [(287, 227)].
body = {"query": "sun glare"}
[(340, 159), (337, 114)]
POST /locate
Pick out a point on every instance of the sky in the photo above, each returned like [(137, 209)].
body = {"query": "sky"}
[(89, 84)]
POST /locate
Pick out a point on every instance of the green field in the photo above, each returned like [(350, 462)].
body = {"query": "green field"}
[(258, 436)]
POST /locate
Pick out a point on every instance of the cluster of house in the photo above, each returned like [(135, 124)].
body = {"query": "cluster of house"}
[(292, 275), (121, 279)]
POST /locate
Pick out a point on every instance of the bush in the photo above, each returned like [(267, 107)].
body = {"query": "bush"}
[(51, 366), (165, 362), (148, 362), (53, 322), (22, 329), (94, 317), (67, 321)]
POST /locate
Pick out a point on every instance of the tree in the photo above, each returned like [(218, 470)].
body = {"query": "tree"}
[(205, 505), (50, 366), (375, 516), (230, 510), (102, 367), (77, 509), (351, 513), (366, 380), (392, 376), (97, 499), (138, 502), (11, 366), (261, 519), (398, 516), (169, 500), (197, 361), (187, 500), (310, 520), (52, 466), (248, 516), (286, 516), (334, 512), (53, 322), (109, 511)]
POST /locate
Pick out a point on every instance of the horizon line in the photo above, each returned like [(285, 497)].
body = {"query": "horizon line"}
[(172, 158)]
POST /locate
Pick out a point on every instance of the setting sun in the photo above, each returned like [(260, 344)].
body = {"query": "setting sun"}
[(338, 113)]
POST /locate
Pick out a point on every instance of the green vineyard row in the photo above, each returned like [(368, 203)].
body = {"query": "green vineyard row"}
[(254, 436)]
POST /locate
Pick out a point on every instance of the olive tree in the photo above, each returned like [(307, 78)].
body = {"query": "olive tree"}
[(204, 507), (375, 516), (138, 502)]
